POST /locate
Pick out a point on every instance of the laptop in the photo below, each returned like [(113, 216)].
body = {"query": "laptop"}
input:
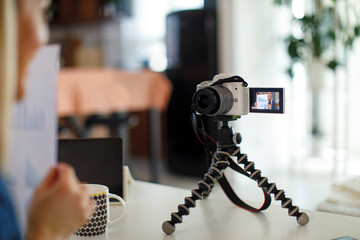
[(95, 160)]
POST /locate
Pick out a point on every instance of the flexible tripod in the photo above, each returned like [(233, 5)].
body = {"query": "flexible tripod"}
[(227, 148)]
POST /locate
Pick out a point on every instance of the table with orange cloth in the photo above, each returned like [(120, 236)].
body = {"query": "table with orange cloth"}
[(87, 91)]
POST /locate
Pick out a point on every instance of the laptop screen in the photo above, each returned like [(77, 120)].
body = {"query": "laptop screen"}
[(95, 160)]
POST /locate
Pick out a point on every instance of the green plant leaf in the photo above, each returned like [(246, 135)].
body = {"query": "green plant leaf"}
[(320, 31), (294, 47), (349, 42), (333, 64), (331, 34), (357, 30), (290, 72), (283, 2)]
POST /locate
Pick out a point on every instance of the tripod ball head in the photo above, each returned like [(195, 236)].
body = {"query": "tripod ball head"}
[(237, 138)]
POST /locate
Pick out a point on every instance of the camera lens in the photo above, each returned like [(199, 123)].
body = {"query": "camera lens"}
[(203, 101), (213, 100), (206, 102)]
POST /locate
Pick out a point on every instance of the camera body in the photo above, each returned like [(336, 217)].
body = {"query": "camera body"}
[(228, 95)]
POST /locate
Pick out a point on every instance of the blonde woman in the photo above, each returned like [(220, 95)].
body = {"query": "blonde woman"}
[(59, 205)]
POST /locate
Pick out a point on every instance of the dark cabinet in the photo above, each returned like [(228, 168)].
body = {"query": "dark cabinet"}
[(192, 58)]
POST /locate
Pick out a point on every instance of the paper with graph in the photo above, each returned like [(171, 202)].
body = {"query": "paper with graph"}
[(34, 129)]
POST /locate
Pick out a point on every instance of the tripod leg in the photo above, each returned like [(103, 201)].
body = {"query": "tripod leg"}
[(204, 187), (208, 176), (279, 194)]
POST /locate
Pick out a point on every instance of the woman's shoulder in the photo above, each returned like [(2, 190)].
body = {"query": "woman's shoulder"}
[(8, 220)]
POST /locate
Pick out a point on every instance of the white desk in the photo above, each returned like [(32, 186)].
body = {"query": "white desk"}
[(217, 218)]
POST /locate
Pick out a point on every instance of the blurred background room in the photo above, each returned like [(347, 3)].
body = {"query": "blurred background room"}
[(160, 50)]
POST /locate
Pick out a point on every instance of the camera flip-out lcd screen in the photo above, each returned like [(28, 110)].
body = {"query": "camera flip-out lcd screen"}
[(267, 100)]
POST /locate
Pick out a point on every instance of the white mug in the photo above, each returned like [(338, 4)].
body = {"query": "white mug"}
[(100, 219)]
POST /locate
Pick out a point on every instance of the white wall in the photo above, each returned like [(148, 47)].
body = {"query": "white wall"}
[(143, 34), (253, 50), (252, 46)]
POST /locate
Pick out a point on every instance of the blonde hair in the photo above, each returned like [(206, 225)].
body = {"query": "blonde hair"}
[(8, 72)]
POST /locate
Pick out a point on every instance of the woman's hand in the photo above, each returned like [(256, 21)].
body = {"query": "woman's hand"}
[(60, 205)]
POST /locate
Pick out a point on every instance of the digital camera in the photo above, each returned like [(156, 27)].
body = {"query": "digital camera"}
[(229, 95)]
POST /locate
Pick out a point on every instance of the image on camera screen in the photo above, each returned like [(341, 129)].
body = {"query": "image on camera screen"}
[(267, 100)]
